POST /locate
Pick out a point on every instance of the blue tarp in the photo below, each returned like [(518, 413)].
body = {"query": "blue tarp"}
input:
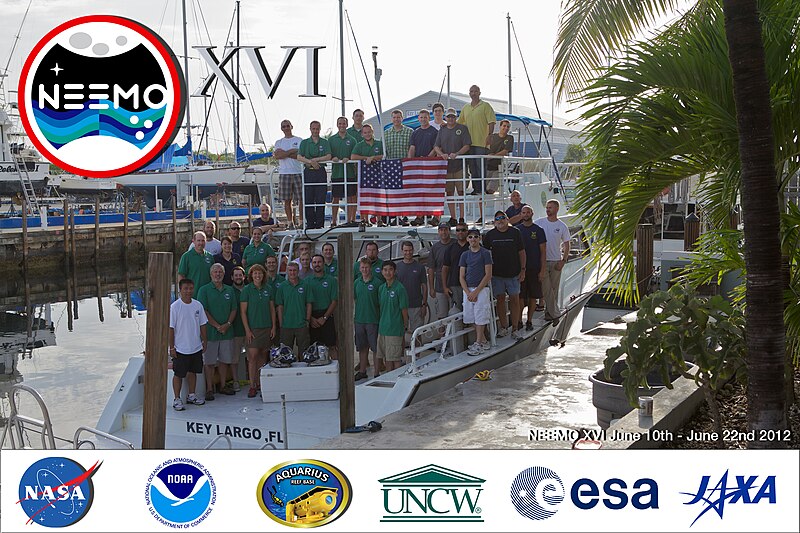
[(163, 161), (242, 157), (186, 149), (413, 122)]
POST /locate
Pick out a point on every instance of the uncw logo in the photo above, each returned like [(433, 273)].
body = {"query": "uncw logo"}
[(431, 494)]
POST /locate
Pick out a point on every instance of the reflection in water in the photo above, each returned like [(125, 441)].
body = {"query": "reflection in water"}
[(76, 374)]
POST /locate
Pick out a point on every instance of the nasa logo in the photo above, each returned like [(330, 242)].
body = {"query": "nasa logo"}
[(56, 491), (537, 492), (304, 493), (180, 493), (87, 110)]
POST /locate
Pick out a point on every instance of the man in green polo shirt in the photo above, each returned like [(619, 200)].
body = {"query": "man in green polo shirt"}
[(220, 303), (325, 291), (358, 123), (331, 263), (196, 263), (375, 262), (294, 301), (393, 301), (312, 152), (367, 316), (368, 150), (344, 184)]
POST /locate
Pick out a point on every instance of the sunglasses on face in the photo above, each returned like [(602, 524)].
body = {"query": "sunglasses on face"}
[(500, 217), (473, 236), (461, 230)]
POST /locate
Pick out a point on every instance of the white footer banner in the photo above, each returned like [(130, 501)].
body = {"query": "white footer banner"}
[(400, 490)]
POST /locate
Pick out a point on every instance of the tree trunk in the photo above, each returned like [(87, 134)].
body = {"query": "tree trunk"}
[(766, 356)]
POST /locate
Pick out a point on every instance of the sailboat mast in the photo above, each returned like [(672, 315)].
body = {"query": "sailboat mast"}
[(448, 86), (341, 51), (186, 76), (508, 24), (236, 100)]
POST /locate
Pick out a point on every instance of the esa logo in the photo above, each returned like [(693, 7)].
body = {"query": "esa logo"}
[(538, 492), (56, 492), (180, 493), (101, 96)]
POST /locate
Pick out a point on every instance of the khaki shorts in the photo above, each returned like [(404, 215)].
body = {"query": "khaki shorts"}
[(261, 339), (454, 182), (390, 348), (218, 352)]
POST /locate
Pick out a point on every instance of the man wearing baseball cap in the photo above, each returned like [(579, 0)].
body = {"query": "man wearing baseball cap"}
[(452, 141)]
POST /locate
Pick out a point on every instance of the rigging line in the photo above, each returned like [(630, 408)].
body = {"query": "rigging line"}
[(542, 129), (161, 20), (253, 109), (266, 131), (16, 38), (358, 50), (441, 89)]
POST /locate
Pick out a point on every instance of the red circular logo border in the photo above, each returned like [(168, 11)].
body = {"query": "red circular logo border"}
[(177, 82)]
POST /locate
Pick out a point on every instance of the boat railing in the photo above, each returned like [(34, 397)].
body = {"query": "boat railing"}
[(219, 438), (512, 172), (79, 444)]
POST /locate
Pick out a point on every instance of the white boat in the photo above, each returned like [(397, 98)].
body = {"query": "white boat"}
[(436, 365)]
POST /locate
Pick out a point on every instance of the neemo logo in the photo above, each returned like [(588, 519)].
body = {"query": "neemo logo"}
[(746, 490), (431, 494), (101, 96), (56, 492), (180, 493), (538, 492)]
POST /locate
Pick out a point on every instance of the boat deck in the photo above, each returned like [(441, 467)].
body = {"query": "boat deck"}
[(548, 390)]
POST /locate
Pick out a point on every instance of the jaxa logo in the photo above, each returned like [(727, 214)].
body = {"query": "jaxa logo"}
[(431, 494), (305, 493), (180, 493), (56, 492), (101, 96), (745, 490)]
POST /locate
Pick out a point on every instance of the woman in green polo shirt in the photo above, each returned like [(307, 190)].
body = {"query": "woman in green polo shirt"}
[(256, 252), (257, 308)]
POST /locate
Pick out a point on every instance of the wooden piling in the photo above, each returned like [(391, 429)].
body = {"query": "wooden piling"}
[(97, 231), (691, 232), (72, 243), (144, 231), (66, 232), (249, 215), (24, 236), (644, 258), (216, 215), (345, 312), (174, 226), (125, 226), (99, 293), (191, 220), (154, 412)]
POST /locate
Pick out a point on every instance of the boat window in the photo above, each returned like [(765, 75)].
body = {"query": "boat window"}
[(578, 244)]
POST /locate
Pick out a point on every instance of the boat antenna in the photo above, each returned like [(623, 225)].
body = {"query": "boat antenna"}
[(11, 54), (186, 78), (364, 68), (510, 109), (538, 112), (378, 74)]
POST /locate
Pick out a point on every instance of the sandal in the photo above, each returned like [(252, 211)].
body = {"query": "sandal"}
[(252, 392)]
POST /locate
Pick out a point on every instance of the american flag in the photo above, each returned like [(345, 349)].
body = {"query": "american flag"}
[(403, 187)]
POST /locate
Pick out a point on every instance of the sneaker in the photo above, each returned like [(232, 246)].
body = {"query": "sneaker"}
[(209, 396), (528, 326), (519, 324), (434, 221), (195, 400), (404, 221), (517, 334), (252, 392), (452, 222), (475, 348), (419, 221), (502, 332), (479, 221), (461, 220), (555, 321), (177, 404), (360, 375), (236, 386), (228, 391)]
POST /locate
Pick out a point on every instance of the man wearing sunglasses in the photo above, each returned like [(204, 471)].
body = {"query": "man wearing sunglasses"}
[(475, 273), (235, 234), (508, 254)]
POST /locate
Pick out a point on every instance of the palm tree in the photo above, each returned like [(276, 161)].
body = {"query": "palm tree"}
[(693, 99)]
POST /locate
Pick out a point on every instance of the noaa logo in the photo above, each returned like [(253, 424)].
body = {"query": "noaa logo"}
[(300, 290), (265, 293), (370, 287), (180, 493), (261, 251), (208, 260), (377, 270), (304, 493), (537, 492), (56, 491), (101, 96), (333, 269), (325, 284), (227, 296), (391, 294)]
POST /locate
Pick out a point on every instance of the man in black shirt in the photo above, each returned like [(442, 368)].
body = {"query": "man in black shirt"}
[(535, 241), (508, 255), (450, 269)]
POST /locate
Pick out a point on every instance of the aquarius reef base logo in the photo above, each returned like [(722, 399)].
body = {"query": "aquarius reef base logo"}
[(56, 491), (180, 493), (431, 494), (101, 96), (305, 493)]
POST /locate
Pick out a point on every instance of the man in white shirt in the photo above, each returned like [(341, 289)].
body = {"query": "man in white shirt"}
[(213, 245), (558, 238), (187, 342), (290, 172)]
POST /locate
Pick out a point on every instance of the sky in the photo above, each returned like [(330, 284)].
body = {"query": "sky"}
[(416, 40)]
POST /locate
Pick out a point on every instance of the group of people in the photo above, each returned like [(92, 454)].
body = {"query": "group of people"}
[(448, 135), (238, 298)]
